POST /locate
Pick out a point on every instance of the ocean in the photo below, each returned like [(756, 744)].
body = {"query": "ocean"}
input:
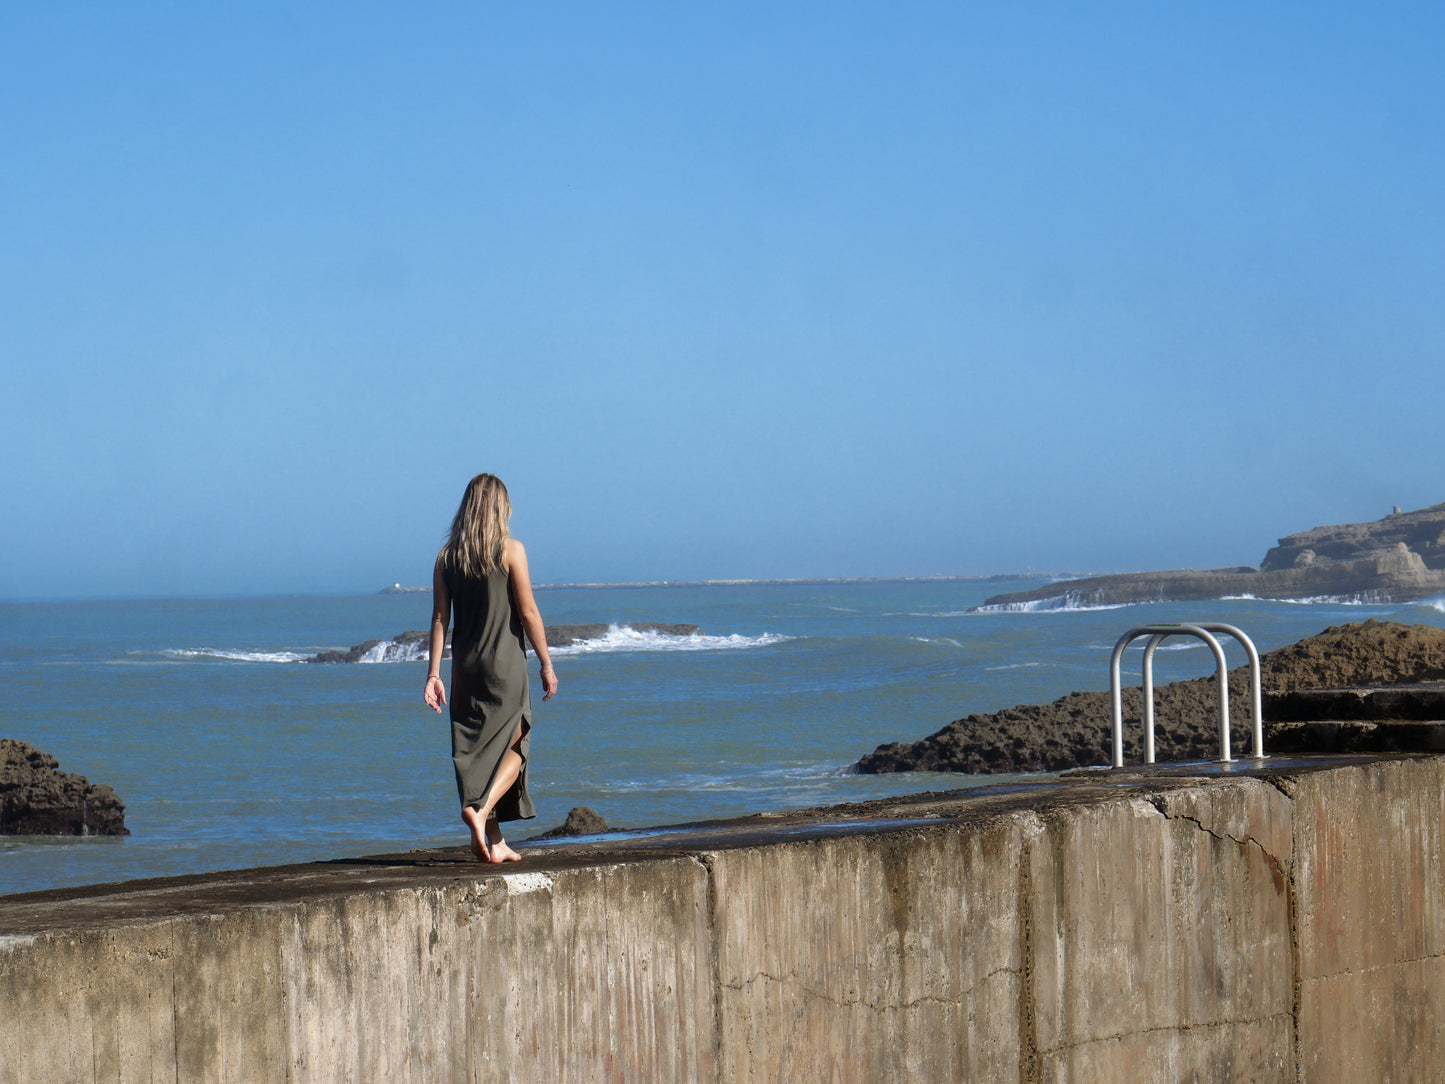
[(230, 752)]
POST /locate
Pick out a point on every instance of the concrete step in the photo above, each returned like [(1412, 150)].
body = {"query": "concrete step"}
[(1424, 701), (1353, 736)]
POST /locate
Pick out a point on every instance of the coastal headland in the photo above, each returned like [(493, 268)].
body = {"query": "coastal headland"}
[(1399, 558)]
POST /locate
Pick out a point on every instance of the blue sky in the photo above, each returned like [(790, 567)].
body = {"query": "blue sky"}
[(745, 290)]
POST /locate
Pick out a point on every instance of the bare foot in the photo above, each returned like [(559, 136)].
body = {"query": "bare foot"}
[(500, 851), (477, 825)]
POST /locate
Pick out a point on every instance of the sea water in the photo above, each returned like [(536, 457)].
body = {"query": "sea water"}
[(230, 751)]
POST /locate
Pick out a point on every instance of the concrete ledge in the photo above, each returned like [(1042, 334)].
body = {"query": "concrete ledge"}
[(1419, 701), (1275, 920)]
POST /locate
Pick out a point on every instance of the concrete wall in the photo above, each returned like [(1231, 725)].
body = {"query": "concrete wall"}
[(1283, 925)]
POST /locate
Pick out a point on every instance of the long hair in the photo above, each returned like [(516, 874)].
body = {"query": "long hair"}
[(478, 536)]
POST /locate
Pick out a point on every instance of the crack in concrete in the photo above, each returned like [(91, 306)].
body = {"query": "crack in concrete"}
[(706, 861), (1351, 972), (1274, 862), (1203, 1025), (860, 1002)]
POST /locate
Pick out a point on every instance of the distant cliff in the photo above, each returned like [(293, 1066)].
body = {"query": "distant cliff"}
[(1399, 558)]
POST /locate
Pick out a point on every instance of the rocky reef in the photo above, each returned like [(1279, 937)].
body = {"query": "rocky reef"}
[(38, 799), (414, 644), (1074, 731), (1400, 558)]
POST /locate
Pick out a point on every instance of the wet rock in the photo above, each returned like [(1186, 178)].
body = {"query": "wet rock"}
[(38, 799), (352, 654), (581, 821)]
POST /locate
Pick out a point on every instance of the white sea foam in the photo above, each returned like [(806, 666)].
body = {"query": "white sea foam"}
[(391, 651), (625, 638), (1367, 599), (1065, 603), (233, 654), (949, 640)]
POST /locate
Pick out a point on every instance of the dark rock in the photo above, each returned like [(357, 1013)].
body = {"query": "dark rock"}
[(1074, 731), (1399, 558), (352, 654), (581, 821), (398, 647), (37, 799)]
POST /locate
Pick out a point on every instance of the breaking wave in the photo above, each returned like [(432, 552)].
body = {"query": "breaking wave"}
[(232, 654), (1066, 603), (391, 651), (1368, 598), (624, 638)]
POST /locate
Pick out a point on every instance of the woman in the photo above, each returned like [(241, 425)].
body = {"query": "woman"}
[(481, 578)]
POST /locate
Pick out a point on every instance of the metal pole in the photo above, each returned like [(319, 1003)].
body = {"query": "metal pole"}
[(1116, 699), (1154, 641), (1256, 699), (1222, 668)]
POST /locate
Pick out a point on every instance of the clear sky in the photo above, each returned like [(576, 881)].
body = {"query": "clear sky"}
[(725, 290)]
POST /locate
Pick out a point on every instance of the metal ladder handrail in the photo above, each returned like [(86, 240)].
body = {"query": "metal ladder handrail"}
[(1256, 698), (1157, 634)]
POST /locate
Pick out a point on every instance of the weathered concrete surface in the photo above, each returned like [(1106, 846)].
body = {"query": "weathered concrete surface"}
[(591, 973), (1370, 920), (1160, 936), (1282, 920), (892, 959)]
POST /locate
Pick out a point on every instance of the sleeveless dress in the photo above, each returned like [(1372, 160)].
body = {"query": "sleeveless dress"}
[(489, 693)]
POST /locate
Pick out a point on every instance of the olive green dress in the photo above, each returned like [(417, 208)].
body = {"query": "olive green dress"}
[(489, 694)]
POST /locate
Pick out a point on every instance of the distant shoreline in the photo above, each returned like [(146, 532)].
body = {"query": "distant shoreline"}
[(805, 581)]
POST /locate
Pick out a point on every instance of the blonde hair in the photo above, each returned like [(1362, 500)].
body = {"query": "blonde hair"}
[(478, 537)]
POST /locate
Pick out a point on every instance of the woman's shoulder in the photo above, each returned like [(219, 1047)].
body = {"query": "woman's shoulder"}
[(513, 551)]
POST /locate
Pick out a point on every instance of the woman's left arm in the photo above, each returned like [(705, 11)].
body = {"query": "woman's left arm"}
[(526, 606), (435, 692)]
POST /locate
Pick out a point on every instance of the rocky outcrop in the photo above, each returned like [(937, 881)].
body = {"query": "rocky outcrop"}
[(580, 821), (1074, 731), (407, 645), (415, 644), (1400, 558), (38, 799)]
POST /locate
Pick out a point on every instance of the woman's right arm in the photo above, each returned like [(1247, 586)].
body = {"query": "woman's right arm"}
[(520, 580), (435, 692)]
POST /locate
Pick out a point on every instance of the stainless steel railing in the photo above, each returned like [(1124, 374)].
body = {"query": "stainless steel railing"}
[(1202, 630)]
